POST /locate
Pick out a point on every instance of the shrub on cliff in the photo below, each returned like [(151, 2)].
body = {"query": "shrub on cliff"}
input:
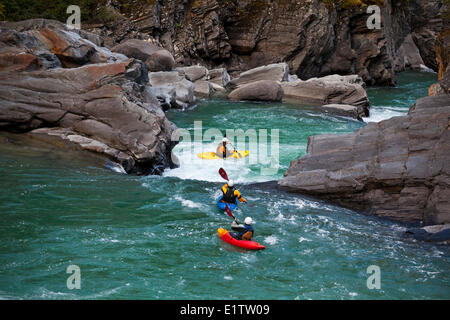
[(16, 10)]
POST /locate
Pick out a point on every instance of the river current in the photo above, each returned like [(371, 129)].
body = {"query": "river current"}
[(155, 237)]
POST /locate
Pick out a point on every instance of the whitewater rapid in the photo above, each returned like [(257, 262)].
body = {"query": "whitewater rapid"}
[(191, 167)]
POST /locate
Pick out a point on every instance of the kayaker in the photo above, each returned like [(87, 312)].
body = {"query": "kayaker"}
[(230, 194), (243, 231), (222, 151)]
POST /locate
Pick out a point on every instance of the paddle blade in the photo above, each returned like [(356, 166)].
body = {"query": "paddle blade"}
[(228, 211), (223, 174)]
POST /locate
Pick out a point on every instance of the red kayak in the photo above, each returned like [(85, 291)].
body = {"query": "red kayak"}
[(225, 236)]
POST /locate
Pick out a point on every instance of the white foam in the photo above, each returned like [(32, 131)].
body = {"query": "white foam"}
[(116, 167), (192, 167), (271, 240), (378, 114), (188, 203), (301, 239)]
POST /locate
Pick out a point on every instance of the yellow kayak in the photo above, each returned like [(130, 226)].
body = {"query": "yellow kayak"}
[(213, 156)]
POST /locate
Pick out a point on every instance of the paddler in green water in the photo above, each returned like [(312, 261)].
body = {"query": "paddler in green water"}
[(243, 231), (222, 151), (230, 194)]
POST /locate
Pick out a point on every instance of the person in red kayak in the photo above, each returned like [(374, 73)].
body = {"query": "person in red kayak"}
[(243, 231), (230, 194)]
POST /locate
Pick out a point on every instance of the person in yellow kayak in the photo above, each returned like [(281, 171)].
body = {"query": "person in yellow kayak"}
[(230, 194), (243, 231), (222, 151)]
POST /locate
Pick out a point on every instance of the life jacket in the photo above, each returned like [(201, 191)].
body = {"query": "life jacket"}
[(229, 196), (246, 234), (223, 151)]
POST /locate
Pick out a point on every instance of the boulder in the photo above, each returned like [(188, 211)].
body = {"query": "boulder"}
[(434, 233), (275, 72), (217, 91), (345, 110), (219, 76), (173, 87), (262, 90), (53, 44), (397, 168), (327, 90), (101, 108), (202, 89), (194, 73), (156, 57)]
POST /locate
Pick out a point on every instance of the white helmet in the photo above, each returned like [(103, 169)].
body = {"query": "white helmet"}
[(231, 183), (225, 140), (248, 221)]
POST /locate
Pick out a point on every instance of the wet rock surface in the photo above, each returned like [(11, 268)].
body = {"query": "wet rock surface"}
[(398, 168)]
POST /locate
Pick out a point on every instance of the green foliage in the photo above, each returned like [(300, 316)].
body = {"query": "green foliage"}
[(446, 12), (349, 4), (105, 15), (2, 11), (15, 10)]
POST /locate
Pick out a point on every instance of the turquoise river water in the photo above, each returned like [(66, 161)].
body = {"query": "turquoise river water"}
[(155, 237)]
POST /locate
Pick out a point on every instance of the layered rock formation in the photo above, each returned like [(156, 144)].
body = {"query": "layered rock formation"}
[(100, 107), (398, 168), (316, 38), (274, 72), (104, 108), (443, 59)]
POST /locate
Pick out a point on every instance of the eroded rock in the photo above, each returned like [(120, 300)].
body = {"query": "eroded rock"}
[(332, 89), (262, 90), (48, 39), (172, 89), (398, 168), (345, 110), (156, 58), (274, 72), (100, 107)]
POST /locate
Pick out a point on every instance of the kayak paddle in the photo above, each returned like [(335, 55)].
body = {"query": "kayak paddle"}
[(223, 174), (228, 211)]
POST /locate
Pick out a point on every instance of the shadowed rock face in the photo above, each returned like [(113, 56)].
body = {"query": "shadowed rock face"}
[(443, 59), (99, 107), (398, 168), (316, 38)]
